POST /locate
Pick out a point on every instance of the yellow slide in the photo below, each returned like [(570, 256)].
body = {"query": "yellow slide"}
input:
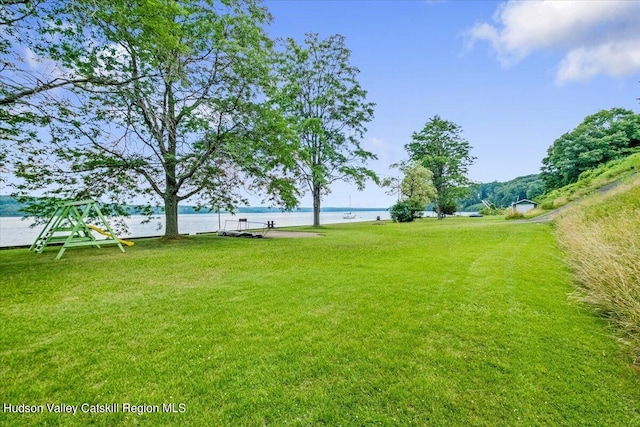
[(105, 233)]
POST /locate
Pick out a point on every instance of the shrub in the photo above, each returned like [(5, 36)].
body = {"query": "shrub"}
[(406, 211)]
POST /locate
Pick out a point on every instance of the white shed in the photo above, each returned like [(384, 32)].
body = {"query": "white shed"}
[(523, 205)]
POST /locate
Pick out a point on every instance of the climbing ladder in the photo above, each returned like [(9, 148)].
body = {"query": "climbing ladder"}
[(68, 226)]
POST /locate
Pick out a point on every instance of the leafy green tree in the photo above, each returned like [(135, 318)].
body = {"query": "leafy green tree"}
[(417, 183), (187, 123), (601, 137), (416, 191), (440, 147), (326, 110)]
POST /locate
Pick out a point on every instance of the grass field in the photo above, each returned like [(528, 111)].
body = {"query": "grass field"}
[(459, 322)]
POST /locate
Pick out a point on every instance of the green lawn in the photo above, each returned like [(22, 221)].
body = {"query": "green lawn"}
[(458, 322)]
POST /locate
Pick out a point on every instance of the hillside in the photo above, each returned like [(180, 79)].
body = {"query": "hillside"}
[(502, 194), (10, 206), (598, 181)]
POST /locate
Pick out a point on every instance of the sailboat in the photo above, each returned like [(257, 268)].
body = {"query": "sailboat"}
[(349, 215)]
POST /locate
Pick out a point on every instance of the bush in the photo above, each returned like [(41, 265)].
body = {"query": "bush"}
[(491, 211), (406, 211)]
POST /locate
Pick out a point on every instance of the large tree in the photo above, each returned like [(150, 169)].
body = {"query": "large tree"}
[(440, 147), (601, 137), (326, 109), (188, 123)]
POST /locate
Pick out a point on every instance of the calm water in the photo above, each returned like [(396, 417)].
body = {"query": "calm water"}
[(16, 231)]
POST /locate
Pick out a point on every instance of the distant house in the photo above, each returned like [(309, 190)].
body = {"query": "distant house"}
[(523, 205)]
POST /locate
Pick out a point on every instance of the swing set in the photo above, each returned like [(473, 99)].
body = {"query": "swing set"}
[(68, 226)]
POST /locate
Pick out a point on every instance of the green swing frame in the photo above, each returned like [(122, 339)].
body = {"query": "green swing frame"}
[(68, 226)]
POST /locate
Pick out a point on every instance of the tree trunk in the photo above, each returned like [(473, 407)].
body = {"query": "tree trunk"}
[(171, 200), (170, 162), (171, 216), (316, 206)]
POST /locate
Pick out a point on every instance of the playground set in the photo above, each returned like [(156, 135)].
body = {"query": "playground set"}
[(68, 225)]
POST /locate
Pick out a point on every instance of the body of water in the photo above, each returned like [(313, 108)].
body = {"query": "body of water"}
[(15, 231)]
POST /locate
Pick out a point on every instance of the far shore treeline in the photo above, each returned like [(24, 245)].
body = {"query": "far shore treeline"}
[(11, 207)]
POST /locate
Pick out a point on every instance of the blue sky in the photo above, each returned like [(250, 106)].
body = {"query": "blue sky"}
[(514, 75)]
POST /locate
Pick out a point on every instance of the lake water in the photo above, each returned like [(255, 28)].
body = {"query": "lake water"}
[(15, 231)]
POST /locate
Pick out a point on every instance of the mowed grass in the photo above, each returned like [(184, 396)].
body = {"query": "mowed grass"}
[(464, 321)]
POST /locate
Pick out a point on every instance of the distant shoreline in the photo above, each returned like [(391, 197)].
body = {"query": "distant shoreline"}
[(10, 207), (244, 210)]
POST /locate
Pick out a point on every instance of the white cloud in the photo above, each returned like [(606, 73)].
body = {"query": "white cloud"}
[(597, 37), (616, 59)]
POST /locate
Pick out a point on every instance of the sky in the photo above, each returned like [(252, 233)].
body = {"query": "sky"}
[(514, 76)]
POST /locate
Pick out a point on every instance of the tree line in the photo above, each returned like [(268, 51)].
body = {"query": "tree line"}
[(601, 137), (604, 136)]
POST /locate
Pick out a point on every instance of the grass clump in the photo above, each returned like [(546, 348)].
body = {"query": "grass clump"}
[(514, 214), (602, 240)]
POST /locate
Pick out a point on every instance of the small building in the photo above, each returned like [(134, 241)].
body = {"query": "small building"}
[(524, 205)]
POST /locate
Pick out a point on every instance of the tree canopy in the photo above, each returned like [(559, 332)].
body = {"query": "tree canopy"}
[(601, 137), (440, 147), (326, 111), (189, 119), (30, 30), (18, 81)]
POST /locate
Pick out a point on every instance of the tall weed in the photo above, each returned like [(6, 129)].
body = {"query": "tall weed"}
[(602, 240)]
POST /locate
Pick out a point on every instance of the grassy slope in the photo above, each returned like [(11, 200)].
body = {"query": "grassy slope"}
[(601, 235), (456, 322), (602, 177)]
